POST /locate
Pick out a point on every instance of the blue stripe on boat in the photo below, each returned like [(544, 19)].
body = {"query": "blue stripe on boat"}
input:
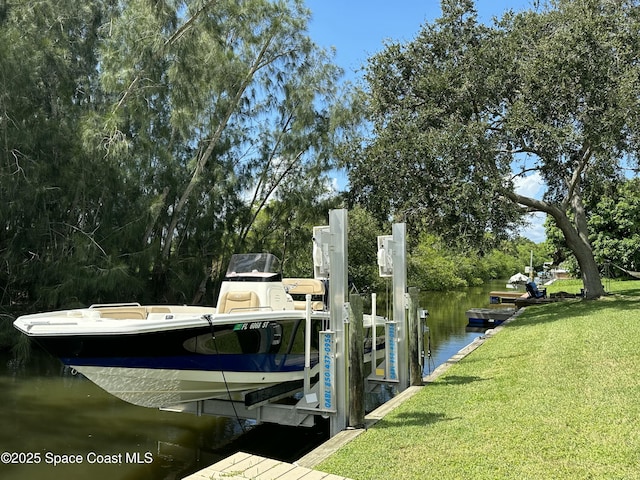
[(228, 362)]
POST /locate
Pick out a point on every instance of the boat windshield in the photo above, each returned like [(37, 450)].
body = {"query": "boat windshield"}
[(262, 265)]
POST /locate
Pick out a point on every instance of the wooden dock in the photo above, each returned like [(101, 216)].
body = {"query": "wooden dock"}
[(244, 466), (505, 297)]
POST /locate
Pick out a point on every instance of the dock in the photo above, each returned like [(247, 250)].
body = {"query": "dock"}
[(505, 297), (244, 466), (488, 316)]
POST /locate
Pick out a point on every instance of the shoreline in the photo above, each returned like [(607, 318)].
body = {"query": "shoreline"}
[(331, 446)]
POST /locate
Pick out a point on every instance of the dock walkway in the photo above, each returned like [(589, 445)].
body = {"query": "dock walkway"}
[(244, 466)]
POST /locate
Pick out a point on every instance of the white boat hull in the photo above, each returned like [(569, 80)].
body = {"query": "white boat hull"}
[(158, 388)]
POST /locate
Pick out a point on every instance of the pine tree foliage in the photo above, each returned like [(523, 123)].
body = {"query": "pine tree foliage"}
[(141, 140)]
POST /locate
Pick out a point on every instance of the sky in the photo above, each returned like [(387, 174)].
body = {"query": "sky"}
[(358, 29)]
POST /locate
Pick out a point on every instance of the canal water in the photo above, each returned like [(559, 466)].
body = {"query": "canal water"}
[(447, 321), (57, 425)]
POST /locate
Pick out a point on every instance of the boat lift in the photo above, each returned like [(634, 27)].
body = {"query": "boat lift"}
[(298, 403)]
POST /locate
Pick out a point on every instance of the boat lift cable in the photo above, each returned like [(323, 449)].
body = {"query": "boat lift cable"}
[(430, 362), (224, 378)]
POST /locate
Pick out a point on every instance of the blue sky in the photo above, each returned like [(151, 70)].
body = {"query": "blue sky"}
[(358, 29)]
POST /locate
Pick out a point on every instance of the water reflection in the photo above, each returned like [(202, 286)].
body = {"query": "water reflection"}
[(48, 411)]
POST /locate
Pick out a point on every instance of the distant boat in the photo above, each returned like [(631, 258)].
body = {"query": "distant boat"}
[(517, 280), (488, 317), (164, 355)]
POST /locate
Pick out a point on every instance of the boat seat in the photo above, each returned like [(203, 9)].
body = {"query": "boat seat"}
[(303, 286), (298, 287), (158, 309), (123, 313), (316, 306), (236, 301)]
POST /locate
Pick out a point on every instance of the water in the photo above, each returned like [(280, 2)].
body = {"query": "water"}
[(447, 321), (48, 411), (50, 415)]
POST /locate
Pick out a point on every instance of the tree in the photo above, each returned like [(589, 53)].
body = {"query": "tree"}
[(464, 109), (55, 197), (141, 141), (223, 105), (615, 231), (363, 248)]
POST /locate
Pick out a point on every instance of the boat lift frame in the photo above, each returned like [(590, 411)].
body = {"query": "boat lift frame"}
[(329, 396)]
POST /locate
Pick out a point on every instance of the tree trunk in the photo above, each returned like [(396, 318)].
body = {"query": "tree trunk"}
[(203, 158), (576, 237), (581, 248)]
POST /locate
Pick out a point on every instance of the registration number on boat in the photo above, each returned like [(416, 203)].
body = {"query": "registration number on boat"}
[(250, 325)]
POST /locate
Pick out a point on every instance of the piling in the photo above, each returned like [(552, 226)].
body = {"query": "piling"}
[(356, 362), (413, 327)]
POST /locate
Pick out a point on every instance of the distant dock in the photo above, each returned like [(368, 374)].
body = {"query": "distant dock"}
[(505, 297)]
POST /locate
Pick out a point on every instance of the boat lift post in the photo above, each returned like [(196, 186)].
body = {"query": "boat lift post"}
[(400, 304), (307, 345), (392, 263), (374, 329), (339, 317)]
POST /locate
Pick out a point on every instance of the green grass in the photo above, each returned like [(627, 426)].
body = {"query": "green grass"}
[(555, 394)]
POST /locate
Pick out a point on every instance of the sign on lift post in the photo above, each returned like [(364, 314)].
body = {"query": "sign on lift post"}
[(327, 342)]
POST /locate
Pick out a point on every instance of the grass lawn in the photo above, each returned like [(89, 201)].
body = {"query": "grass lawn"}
[(556, 394)]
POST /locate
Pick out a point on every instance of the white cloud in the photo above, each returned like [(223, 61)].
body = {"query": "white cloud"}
[(340, 179), (331, 187), (535, 230), (532, 186)]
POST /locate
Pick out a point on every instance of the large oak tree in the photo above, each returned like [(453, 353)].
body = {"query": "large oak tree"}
[(464, 109)]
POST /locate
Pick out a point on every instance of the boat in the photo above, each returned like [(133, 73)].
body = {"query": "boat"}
[(516, 281), (488, 317), (165, 355)]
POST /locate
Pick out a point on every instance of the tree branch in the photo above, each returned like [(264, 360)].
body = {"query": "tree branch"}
[(270, 192), (169, 42), (533, 204), (187, 25), (523, 171), (574, 182), (204, 158)]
